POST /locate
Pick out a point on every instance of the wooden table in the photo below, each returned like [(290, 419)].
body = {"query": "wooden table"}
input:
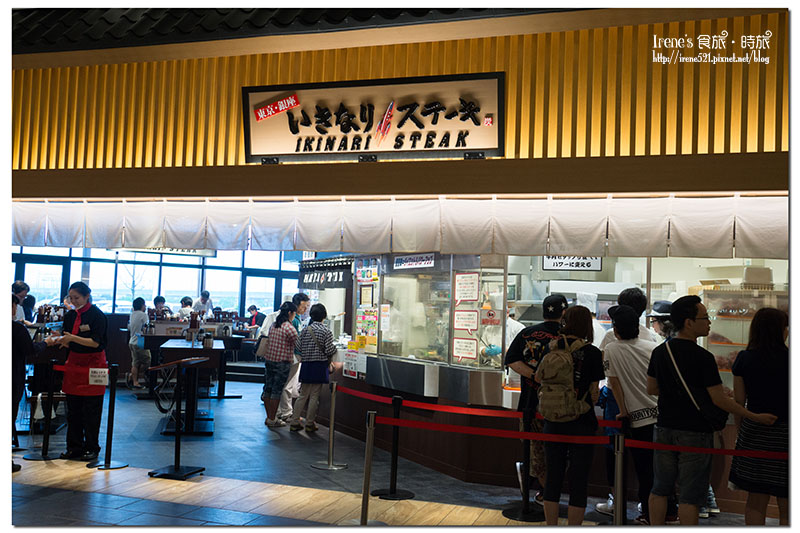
[(197, 422)]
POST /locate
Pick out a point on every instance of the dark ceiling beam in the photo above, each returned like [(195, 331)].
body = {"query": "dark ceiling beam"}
[(642, 174)]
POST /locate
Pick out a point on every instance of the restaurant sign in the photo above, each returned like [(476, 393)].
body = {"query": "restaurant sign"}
[(397, 118), (571, 262)]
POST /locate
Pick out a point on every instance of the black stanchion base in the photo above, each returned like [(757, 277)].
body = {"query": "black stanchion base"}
[(181, 473), (534, 514), (101, 465), (17, 448), (399, 494), (37, 456), (225, 397), (203, 428)]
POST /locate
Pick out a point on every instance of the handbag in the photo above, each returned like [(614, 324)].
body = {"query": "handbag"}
[(716, 417)]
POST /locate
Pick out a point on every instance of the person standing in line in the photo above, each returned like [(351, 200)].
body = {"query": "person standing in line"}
[(523, 356), (85, 335), (203, 305), (761, 381), (22, 347), (626, 362), (20, 289), (679, 421), (635, 298), (278, 357), (292, 388), (575, 337), (140, 357), (316, 348)]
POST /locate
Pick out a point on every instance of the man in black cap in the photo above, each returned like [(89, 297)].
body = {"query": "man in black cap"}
[(659, 318), (523, 357)]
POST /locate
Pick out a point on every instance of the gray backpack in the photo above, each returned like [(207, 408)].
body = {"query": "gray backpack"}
[(558, 401)]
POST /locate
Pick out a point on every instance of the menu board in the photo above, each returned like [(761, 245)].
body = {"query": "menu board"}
[(367, 327)]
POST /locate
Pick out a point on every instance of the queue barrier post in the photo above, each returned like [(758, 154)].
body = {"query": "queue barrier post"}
[(523, 513), (363, 519), (329, 464), (107, 463), (620, 499), (393, 493), (48, 412)]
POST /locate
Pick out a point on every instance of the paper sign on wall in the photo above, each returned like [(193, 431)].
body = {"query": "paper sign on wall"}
[(465, 349), (467, 287), (361, 362), (98, 376), (465, 321), (385, 314), (490, 317), (351, 360)]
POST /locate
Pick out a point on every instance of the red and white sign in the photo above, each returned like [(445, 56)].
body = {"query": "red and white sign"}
[(489, 317), (467, 287), (465, 349), (465, 321), (276, 107)]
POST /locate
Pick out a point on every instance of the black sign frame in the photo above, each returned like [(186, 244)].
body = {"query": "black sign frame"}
[(499, 120)]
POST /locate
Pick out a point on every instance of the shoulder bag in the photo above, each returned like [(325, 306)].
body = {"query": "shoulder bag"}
[(717, 418), (314, 371)]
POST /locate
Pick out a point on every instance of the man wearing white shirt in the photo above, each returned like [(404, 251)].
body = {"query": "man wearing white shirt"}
[(20, 289), (203, 305), (635, 298)]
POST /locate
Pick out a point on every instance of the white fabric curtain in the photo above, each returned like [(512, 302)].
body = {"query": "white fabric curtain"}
[(144, 224), (638, 227), (228, 225), (578, 227), (29, 223), (272, 226), (520, 227), (104, 225), (467, 226), (185, 225), (319, 226), (416, 226), (701, 227), (367, 227), (65, 224), (762, 227)]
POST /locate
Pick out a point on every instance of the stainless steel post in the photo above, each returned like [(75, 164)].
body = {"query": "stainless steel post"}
[(329, 464), (367, 466), (620, 501)]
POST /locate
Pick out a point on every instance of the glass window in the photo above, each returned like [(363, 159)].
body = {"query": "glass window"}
[(94, 253), (288, 289), (226, 258), (45, 250), (180, 259), (224, 288), (291, 260), (133, 281), (16, 249), (99, 277), (45, 283), (262, 259), (177, 282), (140, 256), (261, 293)]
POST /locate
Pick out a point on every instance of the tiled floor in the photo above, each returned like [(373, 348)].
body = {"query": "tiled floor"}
[(243, 449)]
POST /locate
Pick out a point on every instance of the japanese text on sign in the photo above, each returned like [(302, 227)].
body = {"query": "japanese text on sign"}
[(571, 262), (276, 107), (467, 287), (465, 321), (413, 261), (465, 349)]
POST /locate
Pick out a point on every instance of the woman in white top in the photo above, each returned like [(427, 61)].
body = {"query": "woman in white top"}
[(186, 308)]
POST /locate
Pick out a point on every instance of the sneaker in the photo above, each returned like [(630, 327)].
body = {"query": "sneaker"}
[(711, 502), (294, 427), (285, 417), (539, 499), (703, 513), (639, 507), (672, 520), (642, 519), (277, 423), (310, 428), (606, 507), (15, 467), (519, 476)]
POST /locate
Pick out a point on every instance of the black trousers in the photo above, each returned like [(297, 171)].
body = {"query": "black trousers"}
[(83, 422), (572, 461), (643, 464)]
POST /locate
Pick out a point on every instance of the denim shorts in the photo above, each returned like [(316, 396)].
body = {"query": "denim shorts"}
[(275, 377), (692, 471)]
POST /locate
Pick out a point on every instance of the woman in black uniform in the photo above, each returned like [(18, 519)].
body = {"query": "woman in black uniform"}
[(85, 335)]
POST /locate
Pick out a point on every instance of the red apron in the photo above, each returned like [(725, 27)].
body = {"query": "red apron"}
[(76, 373), (76, 369)]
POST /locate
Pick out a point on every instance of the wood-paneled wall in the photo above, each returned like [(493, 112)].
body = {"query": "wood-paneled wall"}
[(585, 93)]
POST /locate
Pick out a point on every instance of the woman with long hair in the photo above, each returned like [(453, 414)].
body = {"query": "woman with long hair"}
[(761, 381), (278, 357), (576, 336)]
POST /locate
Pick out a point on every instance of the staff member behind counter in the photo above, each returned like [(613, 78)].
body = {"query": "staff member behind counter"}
[(85, 335), (256, 318), (203, 305)]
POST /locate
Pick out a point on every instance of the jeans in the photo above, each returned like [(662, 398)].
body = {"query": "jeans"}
[(691, 470)]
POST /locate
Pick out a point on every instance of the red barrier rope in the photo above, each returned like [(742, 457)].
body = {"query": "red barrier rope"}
[(715, 451), (602, 423), (503, 433), (365, 395)]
